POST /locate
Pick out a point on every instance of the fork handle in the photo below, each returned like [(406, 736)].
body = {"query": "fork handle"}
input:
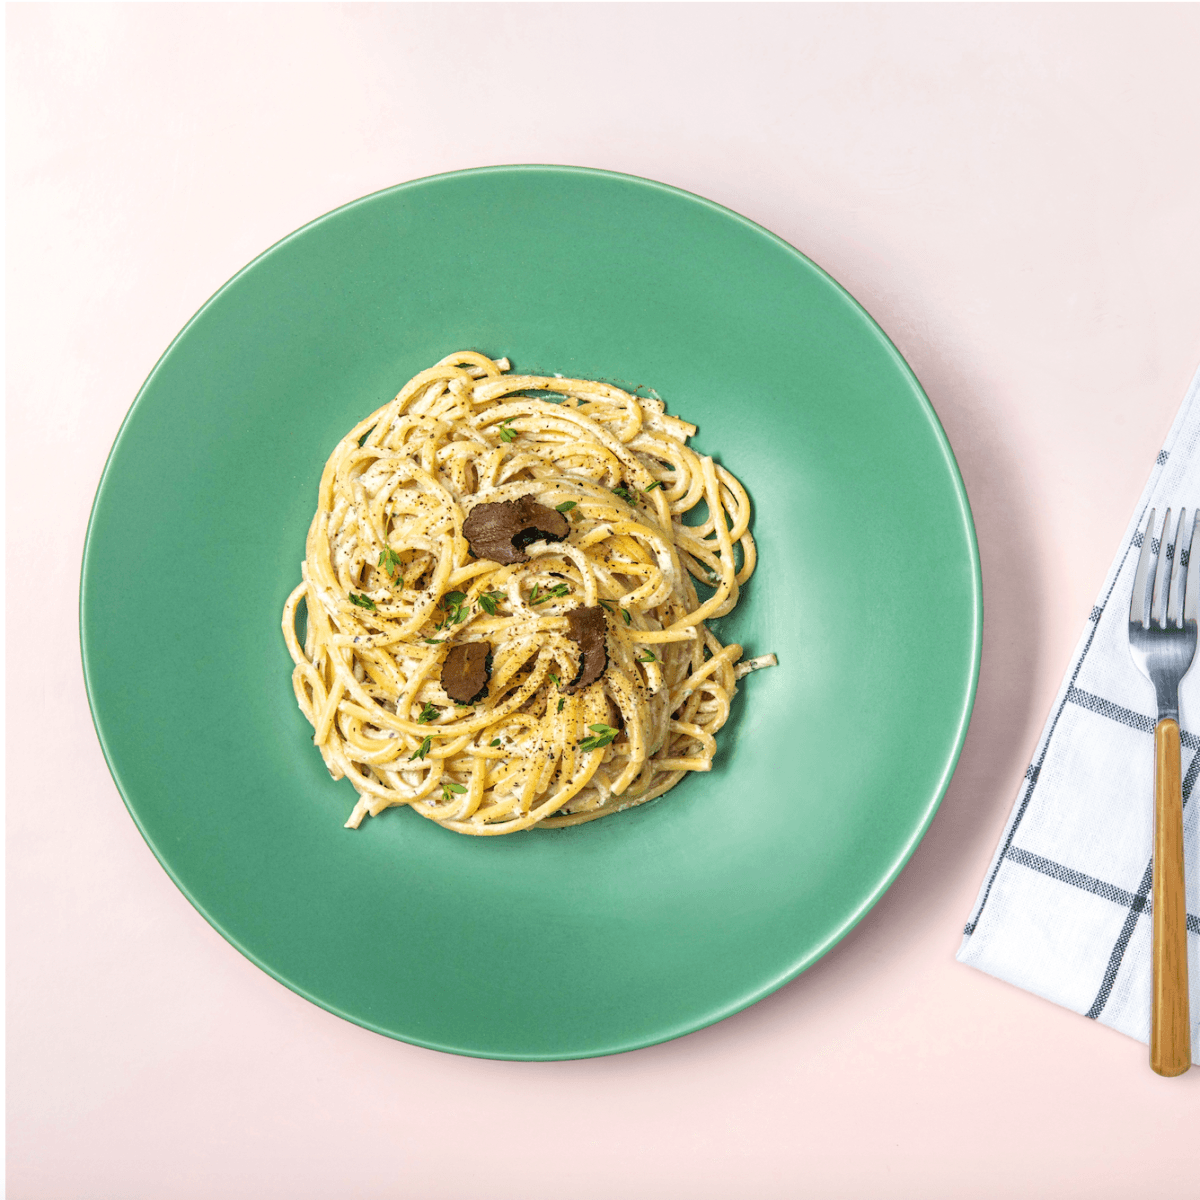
[(1170, 1029)]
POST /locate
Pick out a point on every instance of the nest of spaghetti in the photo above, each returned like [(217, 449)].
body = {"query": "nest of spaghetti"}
[(400, 608)]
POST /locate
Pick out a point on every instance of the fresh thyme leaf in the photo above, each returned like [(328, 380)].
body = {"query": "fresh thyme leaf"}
[(656, 483), (625, 494), (608, 606), (507, 434), (447, 788), (561, 702), (421, 750), (390, 562), (428, 713), (489, 600), (363, 601), (600, 740), (551, 593), (625, 614), (432, 641), (494, 742), (565, 506), (646, 656), (555, 679), (604, 736), (452, 605)]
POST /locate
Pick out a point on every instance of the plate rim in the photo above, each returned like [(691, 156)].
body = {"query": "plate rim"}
[(813, 954)]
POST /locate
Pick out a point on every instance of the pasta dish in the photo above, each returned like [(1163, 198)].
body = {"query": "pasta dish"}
[(501, 625)]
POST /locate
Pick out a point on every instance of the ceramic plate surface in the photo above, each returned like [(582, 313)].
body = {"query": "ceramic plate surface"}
[(641, 926)]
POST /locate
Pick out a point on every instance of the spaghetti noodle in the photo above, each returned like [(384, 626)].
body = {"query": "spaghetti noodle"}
[(391, 586)]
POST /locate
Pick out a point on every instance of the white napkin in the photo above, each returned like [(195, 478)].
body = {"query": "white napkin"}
[(1064, 910)]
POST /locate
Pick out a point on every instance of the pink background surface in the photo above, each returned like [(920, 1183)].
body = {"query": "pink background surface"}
[(1012, 192)]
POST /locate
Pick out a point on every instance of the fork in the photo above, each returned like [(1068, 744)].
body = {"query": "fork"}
[(1162, 640)]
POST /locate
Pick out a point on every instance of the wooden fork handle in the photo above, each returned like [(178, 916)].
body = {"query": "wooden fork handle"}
[(1170, 1028)]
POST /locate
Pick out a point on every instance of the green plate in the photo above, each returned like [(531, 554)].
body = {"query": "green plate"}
[(553, 943)]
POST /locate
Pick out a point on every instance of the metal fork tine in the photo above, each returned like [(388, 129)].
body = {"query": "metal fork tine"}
[(1191, 593), (1137, 604), (1178, 575), (1162, 577)]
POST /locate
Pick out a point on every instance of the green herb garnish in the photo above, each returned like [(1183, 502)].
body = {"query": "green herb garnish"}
[(447, 788), (433, 641), (612, 607), (494, 742), (421, 750), (561, 702), (646, 656), (507, 434), (565, 506), (656, 483), (363, 601), (554, 679), (428, 713), (452, 605), (625, 494), (538, 597), (389, 561), (604, 735), (489, 600)]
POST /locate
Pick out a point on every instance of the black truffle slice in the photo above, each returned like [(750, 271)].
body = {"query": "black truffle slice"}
[(586, 627), (466, 672), (501, 531)]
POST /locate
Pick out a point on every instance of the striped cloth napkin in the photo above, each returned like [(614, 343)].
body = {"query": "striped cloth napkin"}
[(1064, 910)]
